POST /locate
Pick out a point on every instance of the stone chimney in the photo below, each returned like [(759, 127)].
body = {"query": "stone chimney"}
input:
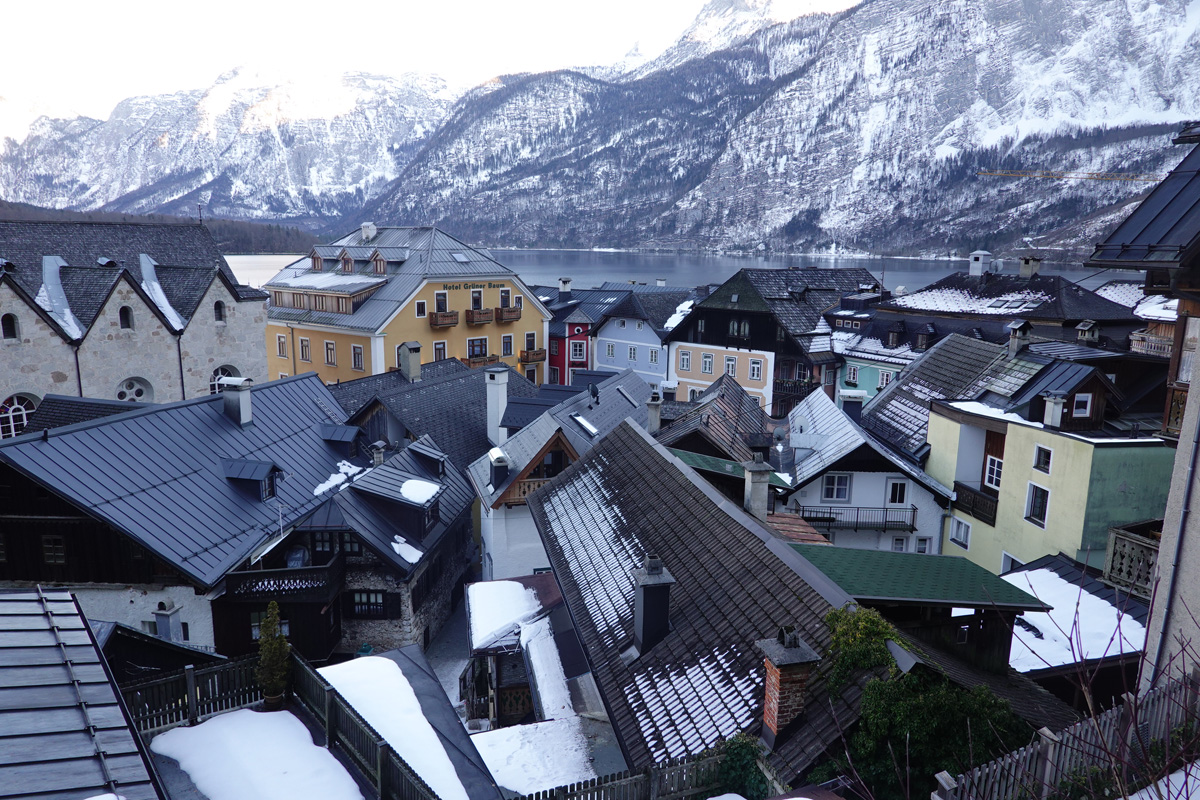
[(237, 399), (980, 261), (660, 281), (789, 662), (651, 604), (377, 453), (1088, 333), (1018, 336), (497, 401), (758, 481), (167, 624), (654, 413), (1052, 417), (1030, 266), (564, 288), (368, 231), (497, 467), (410, 361)]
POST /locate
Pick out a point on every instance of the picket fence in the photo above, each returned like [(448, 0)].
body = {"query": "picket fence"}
[(1121, 738)]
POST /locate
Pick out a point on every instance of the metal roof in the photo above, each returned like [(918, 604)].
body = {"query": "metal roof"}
[(721, 466), (64, 734)]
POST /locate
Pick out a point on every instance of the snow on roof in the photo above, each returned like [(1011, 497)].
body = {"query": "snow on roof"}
[(497, 608), (419, 491), (541, 652), (1126, 293), (248, 754), (345, 470), (984, 410), (327, 280), (405, 550), (856, 344), (1157, 308), (681, 311), (1079, 626), (379, 692), (519, 755), (960, 301)]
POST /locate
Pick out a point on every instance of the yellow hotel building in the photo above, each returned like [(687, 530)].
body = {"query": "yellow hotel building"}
[(345, 311)]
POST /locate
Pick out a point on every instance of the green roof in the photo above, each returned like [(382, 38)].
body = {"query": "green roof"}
[(723, 466), (916, 577)]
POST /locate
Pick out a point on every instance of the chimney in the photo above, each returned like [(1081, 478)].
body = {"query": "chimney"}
[(980, 261), (564, 288), (651, 604), (377, 450), (368, 231), (237, 400), (410, 361), (1030, 266), (789, 662), (654, 413), (497, 401), (758, 480), (167, 624), (660, 281), (498, 464), (1018, 336), (1052, 418), (1087, 333)]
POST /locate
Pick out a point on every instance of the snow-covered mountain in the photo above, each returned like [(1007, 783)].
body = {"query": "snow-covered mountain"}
[(862, 128)]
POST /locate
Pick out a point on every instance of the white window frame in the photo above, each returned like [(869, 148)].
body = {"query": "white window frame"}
[(442, 344), (889, 485), (441, 296), (885, 377), (922, 544), (756, 366), (706, 363), (1009, 562), (554, 376), (633, 353), (639, 325), (731, 366), (610, 350), (653, 355), (988, 471), (851, 375), (505, 298), (357, 359), (305, 349), (960, 533), (685, 361), (1029, 493), (1038, 448), (1086, 398), (831, 487), (620, 323), (282, 375), (578, 350), (902, 542), (421, 309), (281, 345), (506, 344)]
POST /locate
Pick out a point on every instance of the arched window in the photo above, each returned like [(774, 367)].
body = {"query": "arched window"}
[(126, 317), (214, 385), (745, 327), (137, 390), (9, 326), (14, 414), (219, 311)]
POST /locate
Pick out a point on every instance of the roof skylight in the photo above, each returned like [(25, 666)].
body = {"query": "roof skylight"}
[(460, 258), (591, 429)]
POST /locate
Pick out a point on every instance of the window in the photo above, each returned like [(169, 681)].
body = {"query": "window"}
[(135, 390), (530, 341), (318, 302), (1041, 458), (960, 533), (554, 375), (323, 542), (380, 266), (317, 263), (282, 375), (218, 311), (281, 345), (343, 305), (1008, 563), (440, 303), (731, 366), (756, 369), (699, 326), (506, 345), (305, 350), (519, 301), (439, 351), (421, 314), (356, 357), (214, 381), (1037, 503), (298, 300), (505, 298), (368, 604), (347, 264), (9, 327), (897, 492), (267, 489), (639, 324), (54, 549), (256, 620), (885, 378), (531, 373), (993, 471), (836, 488), (899, 545), (610, 350), (1082, 407), (830, 375), (632, 353), (477, 348), (855, 324), (578, 350), (14, 414), (685, 361), (350, 545), (1187, 349), (125, 315), (780, 334), (476, 299), (922, 545), (851, 375), (331, 353), (554, 347), (653, 355), (706, 363), (620, 323)]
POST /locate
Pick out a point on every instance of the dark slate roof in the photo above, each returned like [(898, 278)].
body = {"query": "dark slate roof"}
[(1038, 297), (736, 583), (64, 734), (725, 415), (1061, 376), (641, 288), (917, 578), (1089, 580), (353, 395), (57, 410), (156, 475), (1069, 351), (1164, 230), (521, 411), (653, 307)]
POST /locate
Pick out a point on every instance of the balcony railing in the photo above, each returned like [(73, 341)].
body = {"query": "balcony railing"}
[(1149, 344), (860, 519), (1131, 557), (479, 316), (508, 313), (1176, 402), (479, 361), (443, 319), (523, 489), (530, 356), (301, 584), (980, 505)]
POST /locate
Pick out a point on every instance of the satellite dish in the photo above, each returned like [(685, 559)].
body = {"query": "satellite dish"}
[(594, 392)]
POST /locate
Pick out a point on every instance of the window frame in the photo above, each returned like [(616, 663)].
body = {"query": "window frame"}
[(828, 496), (372, 605), (330, 353), (219, 315), (1087, 399), (885, 378), (554, 347), (506, 344), (473, 347), (530, 340), (957, 526), (441, 302), (1031, 493), (439, 345), (706, 363), (54, 549), (921, 545), (421, 309), (578, 350), (654, 355), (256, 618), (357, 358), (685, 361), (902, 541), (610, 350), (988, 463), (281, 348), (1038, 449), (505, 298), (633, 353), (320, 302), (731, 361), (851, 375), (305, 354), (477, 299)]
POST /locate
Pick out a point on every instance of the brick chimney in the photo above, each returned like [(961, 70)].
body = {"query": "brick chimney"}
[(497, 401), (758, 480), (651, 603), (653, 413), (237, 400), (410, 361), (789, 662)]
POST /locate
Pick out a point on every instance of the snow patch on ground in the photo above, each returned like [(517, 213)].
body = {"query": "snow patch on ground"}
[(543, 755), (496, 608), (345, 471), (247, 755)]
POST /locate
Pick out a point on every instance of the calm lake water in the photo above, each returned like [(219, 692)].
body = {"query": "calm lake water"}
[(591, 268)]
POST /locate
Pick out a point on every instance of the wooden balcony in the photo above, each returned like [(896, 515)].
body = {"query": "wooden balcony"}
[(858, 518), (299, 585), (481, 361), (479, 316), (522, 489), (508, 313), (443, 319), (533, 356), (980, 505), (1132, 555), (1150, 345)]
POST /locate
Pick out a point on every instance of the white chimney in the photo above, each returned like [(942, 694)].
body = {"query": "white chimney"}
[(564, 286), (497, 467), (1030, 266), (410, 361), (1052, 418), (368, 231), (660, 281), (1018, 336), (497, 401), (758, 480), (237, 399), (980, 261), (651, 603), (654, 413)]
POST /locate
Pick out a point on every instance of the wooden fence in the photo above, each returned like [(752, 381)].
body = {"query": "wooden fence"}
[(683, 779), (1132, 740), (191, 695)]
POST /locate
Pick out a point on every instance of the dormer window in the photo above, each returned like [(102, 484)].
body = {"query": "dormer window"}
[(380, 266), (893, 338), (318, 263), (1082, 407), (268, 485), (922, 341), (347, 264)]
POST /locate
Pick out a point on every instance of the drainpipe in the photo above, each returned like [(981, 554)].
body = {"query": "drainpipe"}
[(1183, 518), (179, 350), (78, 374), (292, 334)]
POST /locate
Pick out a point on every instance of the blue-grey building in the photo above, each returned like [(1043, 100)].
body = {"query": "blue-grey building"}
[(630, 335)]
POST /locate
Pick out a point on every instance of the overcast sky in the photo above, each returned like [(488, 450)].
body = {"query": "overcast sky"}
[(84, 57)]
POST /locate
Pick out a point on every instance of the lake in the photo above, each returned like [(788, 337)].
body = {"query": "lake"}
[(592, 267)]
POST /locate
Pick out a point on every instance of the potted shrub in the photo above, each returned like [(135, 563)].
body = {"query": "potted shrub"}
[(273, 651)]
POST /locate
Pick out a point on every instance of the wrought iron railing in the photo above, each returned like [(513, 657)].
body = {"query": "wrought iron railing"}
[(301, 584), (860, 518)]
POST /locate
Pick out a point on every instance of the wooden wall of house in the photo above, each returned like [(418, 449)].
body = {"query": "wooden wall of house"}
[(133, 658), (314, 629), (763, 331), (986, 642), (993, 445)]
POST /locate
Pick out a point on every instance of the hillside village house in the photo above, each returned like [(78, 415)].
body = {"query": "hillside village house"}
[(632, 332), (576, 313), (346, 310), (142, 312)]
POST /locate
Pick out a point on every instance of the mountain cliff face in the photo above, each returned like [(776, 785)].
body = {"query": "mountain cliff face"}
[(864, 128)]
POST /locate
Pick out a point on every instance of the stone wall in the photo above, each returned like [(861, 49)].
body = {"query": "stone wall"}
[(39, 362), (133, 605), (237, 342), (111, 354)]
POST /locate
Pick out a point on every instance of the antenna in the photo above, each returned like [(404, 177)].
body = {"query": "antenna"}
[(200, 208)]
